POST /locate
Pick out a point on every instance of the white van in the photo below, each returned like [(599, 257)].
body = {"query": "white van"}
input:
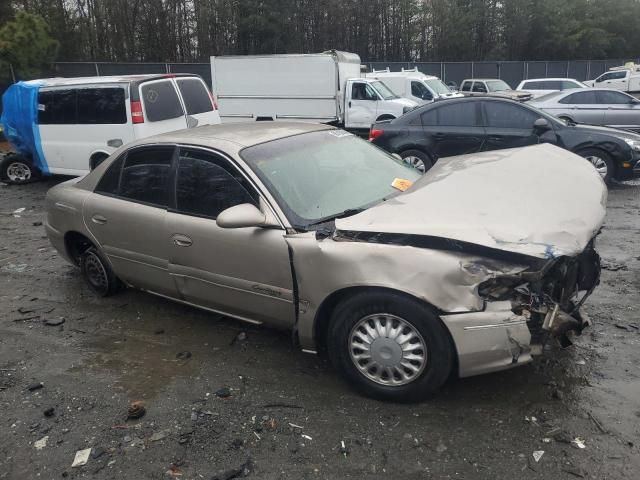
[(78, 122), (414, 85), (320, 87)]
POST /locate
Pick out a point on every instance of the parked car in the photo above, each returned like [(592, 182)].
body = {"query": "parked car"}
[(594, 106), (414, 85), (69, 125), (625, 79), (492, 87), (542, 86), (470, 125), (310, 228), (322, 87)]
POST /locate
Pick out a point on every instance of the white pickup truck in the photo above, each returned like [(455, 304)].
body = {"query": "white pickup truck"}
[(625, 79), (414, 85), (324, 88)]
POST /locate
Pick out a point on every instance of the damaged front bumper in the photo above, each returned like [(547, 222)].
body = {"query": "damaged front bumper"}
[(523, 312)]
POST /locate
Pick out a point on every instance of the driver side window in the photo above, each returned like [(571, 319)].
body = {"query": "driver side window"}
[(419, 90), (479, 87), (363, 91)]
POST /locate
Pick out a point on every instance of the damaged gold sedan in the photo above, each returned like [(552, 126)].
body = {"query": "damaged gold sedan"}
[(402, 279)]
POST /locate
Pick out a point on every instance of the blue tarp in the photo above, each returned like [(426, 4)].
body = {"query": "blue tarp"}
[(20, 121)]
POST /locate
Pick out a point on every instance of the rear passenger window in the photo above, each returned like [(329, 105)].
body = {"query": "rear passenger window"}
[(506, 115), (458, 114), (102, 106), (195, 95), (612, 98), (160, 101), (466, 87), (207, 185), (145, 175), (110, 181), (57, 107)]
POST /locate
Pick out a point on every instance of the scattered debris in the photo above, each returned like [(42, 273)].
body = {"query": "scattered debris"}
[(156, 437), (343, 449), (280, 405), (531, 419), (81, 458), (49, 412), (581, 362), (223, 392), (621, 327), (37, 224), (184, 355), (293, 425), (257, 436), (537, 455), (597, 423), (562, 436), (441, 448), (16, 213), (98, 452), (242, 471), (575, 471), (40, 444), (136, 410), (307, 437), (240, 337), (578, 443), (35, 386), (612, 267), (174, 471), (546, 440), (54, 322)]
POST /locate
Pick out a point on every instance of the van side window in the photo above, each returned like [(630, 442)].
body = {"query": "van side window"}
[(160, 101), (102, 106), (57, 107), (145, 176), (466, 86), (195, 95), (208, 185)]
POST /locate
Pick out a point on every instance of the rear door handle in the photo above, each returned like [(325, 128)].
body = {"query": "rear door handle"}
[(99, 219), (181, 240)]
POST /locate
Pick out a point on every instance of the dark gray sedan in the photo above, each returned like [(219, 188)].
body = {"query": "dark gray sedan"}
[(595, 106)]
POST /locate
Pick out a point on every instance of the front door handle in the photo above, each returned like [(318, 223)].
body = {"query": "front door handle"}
[(181, 240), (99, 219)]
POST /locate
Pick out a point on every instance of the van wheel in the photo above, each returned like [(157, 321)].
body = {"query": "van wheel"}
[(98, 274), (417, 159), (390, 346), (17, 170)]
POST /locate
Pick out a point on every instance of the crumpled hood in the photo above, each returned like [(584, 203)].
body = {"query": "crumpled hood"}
[(540, 201)]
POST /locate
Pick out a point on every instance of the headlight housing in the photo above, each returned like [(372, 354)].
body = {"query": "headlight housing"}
[(634, 144)]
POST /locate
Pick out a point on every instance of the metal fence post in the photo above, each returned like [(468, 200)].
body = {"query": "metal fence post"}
[(472, 66), (97, 69), (546, 69)]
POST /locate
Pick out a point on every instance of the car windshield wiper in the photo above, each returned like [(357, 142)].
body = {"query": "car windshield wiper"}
[(345, 213)]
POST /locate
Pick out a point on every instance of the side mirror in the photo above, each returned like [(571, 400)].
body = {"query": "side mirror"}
[(241, 216), (427, 96), (541, 125)]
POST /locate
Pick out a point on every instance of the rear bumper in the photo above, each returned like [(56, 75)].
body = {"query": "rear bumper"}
[(57, 240)]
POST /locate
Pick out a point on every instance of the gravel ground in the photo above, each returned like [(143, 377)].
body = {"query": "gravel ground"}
[(288, 413)]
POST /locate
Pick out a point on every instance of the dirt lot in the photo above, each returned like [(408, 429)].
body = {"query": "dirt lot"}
[(288, 412)]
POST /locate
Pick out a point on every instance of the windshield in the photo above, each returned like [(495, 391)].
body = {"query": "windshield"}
[(319, 176), (383, 90), (437, 86), (497, 86)]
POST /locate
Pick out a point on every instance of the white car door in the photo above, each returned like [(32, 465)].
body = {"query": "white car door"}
[(197, 101), (616, 80), (161, 109), (75, 123), (361, 105)]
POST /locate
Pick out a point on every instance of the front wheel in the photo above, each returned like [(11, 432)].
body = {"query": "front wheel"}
[(602, 162), (417, 159), (17, 170), (390, 346)]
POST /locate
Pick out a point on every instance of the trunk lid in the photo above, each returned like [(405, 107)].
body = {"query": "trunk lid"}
[(541, 201)]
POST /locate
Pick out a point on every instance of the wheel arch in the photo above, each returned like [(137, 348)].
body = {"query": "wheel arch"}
[(97, 156), (329, 304), (610, 154), (385, 116), (76, 244)]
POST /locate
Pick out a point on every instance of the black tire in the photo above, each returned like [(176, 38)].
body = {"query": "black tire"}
[(439, 353), (595, 155), (98, 273), (18, 170), (417, 157)]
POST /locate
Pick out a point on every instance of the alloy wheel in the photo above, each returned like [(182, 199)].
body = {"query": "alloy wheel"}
[(600, 164), (387, 349), (18, 172), (415, 162)]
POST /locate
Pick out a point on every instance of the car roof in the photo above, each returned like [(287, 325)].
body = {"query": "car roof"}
[(238, 135), (555, 79), (60, 81), (480, 79)]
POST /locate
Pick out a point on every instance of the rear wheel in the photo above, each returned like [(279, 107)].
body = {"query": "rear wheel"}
[(417, 159), (17, 169), (390, 346), (602, 162), (98, 274)]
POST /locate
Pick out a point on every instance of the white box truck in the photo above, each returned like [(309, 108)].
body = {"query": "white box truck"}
[(414, 85), (324, 87), (625, 78)]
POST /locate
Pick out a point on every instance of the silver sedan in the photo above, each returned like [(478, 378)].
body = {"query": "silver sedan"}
[(595, 106)]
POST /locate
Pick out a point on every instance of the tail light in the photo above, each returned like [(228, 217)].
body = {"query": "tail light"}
[(136, 112), (375, 133), (213, 101)]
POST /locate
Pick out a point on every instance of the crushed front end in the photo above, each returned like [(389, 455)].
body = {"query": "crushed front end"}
[(524, 311)]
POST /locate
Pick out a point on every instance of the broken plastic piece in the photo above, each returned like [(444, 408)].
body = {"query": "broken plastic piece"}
[(401, 184), (578, 443), (81, 458), (136, 410), (537, 455)]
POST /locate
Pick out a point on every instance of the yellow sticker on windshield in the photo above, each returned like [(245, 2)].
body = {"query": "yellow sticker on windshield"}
[(401, 184)]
